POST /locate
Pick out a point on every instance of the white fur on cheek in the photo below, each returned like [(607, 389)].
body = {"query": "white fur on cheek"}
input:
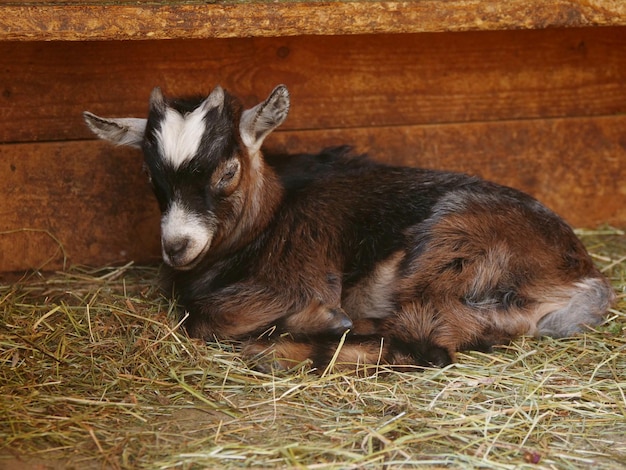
[(179, 227)]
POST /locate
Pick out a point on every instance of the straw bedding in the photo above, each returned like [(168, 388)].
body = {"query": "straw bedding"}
[(95, 372)]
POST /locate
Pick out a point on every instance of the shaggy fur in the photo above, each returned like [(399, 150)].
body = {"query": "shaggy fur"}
[(289, 252)]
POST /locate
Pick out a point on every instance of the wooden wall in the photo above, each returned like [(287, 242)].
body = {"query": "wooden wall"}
[(541, 110)]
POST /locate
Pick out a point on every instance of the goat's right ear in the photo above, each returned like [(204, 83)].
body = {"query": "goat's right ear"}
[(258, 122), (120, 131)]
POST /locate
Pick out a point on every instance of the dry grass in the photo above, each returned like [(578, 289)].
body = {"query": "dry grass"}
[(95, 373)]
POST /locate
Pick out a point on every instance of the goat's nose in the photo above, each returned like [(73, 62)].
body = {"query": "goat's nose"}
[(176, 247)]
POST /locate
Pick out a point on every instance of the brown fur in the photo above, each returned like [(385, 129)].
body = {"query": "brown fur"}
[(416, 264), (475, 283)]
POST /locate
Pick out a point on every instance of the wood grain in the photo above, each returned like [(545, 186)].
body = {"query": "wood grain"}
[(335, 82), (575, 166), (84, 197), (101, 20), (92, 198)]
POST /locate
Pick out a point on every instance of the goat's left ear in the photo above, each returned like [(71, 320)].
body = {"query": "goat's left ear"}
[(120, 131), (258, 122)]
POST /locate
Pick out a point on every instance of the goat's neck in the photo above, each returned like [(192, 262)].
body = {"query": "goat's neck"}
[(263, 199)]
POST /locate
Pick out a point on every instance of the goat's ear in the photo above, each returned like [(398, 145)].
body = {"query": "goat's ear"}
[(214, 100), (157, 101), (120, 131), (258, 122)]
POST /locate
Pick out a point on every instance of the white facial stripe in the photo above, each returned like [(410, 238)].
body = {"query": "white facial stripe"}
[(180, 136), (179, 224)]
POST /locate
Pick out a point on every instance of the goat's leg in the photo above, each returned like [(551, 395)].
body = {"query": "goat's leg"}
[(241, 311), (317, 318)]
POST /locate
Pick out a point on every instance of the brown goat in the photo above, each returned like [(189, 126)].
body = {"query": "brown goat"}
[(288, 253)]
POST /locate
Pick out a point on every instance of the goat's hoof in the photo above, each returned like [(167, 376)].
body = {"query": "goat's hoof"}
[(340, 322)]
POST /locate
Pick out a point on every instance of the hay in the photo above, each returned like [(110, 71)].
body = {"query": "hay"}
[(96, 373)]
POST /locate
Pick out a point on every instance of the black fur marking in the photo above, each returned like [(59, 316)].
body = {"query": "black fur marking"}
[(502, 298), (189, 181), (323, 352), (456, 266), (424, 352)]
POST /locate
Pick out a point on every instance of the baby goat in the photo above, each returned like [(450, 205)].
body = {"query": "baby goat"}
[(417, 264)]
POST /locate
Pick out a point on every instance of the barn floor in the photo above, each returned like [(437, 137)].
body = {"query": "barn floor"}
[(97, 374)]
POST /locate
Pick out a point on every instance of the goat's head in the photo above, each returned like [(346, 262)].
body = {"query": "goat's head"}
[(203, 160)]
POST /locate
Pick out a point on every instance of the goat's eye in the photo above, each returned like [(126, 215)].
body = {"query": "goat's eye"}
[(226, 178), (228, 175)]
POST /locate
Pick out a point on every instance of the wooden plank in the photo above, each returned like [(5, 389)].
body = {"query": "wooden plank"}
[(93, 198), (336, 82), (91, 20), (87, 198), (575, 166)]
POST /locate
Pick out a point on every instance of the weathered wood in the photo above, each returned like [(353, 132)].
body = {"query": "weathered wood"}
[(94, 200), (335, 82), (575, 166), (541, 110), (124, 19), (86, 198)]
